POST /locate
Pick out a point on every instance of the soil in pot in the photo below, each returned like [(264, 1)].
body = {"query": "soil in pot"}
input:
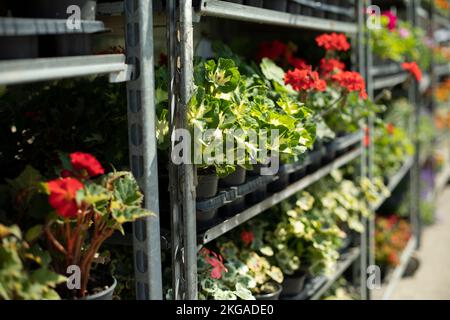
[(279, 184), (254, 3), (233, 208), (207, 185), (234, 179), (57, 9), (273, 295), (257, 196), (293, 285), (23, 47), (278, 5)]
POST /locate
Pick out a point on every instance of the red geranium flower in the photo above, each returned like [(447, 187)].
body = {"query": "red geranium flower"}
[(272, 50), (62, 196), (333, 41), (352, 81), (413, 69), (392, 19), (247, 237), (304, 80), (298, 63), (216, 262), (328, 67), (85, 161), (390, 128)]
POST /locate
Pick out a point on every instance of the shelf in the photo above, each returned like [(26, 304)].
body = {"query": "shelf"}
[(395, 180), (316, 288), (389, 81), (397, 274), (28, 27), (276, 198), (385, 69), (442, 70), (233, 11), (31, 70)]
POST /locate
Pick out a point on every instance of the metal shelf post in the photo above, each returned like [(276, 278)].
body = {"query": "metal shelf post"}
[(142, 146)]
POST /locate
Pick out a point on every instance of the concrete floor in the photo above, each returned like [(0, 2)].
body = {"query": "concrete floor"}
[(432, 279)]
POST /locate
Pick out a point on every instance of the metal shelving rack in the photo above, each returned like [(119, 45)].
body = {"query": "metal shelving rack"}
[(182, 190), (137, 70)]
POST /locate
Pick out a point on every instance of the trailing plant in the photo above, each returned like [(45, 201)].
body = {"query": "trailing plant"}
[(25, 272)]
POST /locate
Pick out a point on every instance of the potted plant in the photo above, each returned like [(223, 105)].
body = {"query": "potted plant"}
[(247, 248), (88, 206), (25, 272)]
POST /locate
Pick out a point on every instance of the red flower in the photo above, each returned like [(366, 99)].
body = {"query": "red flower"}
[(247, 237), (390, 128), (413, 69), (298, 63), (272, 50), (392, 19), (304, 80), (328, 67), (393, 258), (216, 262), (333, 41), (62, 196), (85, 161), (352, 81)]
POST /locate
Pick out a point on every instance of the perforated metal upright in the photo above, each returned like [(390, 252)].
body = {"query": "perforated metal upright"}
[(142, 146), (181, 177)]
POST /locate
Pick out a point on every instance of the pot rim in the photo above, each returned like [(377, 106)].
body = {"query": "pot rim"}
[(267, 295), (110, 289)]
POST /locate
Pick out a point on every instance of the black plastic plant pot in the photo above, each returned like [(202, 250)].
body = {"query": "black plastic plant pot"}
[(278, 5), (297, 175), (294, 8), (233, 208), (281, 183), (206, 219), (234, 179), (69, 45), (207, 186), (257, 196), (330, 153), (293, 285), (254, 3), (315, 157), (106, 294), (256, 171), (270, 296), (23, 47), (57, 9)]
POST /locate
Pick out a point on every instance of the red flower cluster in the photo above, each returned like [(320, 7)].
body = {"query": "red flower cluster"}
[(298, 63), (328, 67), (272, 50), (215, 261), (352, 81), (333, 41), (304, 80), (85, 162), (62, 196), (413, 69), (247, 237)]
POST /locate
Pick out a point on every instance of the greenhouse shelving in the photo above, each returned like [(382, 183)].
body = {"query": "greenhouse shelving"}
[(315, 289), (28, 26), (389, 81), (277, 197), (442, 70), (234, 11), (31, 70)]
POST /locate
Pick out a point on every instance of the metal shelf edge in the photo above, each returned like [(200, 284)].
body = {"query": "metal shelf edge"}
[(31, 70), (389, 81), (228, 10), (275, 198), (400, 269)]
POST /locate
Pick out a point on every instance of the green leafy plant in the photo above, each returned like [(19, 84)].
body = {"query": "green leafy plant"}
[(25, 269)]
